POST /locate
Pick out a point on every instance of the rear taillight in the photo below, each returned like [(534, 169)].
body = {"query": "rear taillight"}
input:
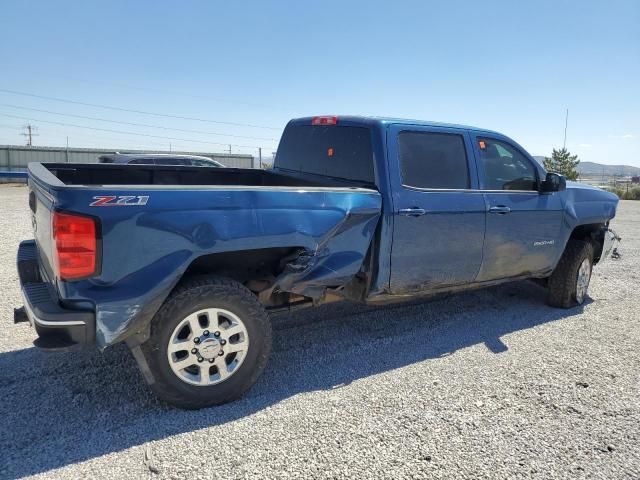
[(76, 245), (324, 121)]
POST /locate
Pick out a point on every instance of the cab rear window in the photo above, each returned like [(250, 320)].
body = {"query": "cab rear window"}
[(334, 151)]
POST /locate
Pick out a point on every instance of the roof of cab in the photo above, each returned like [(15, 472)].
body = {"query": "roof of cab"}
[(370, 120)]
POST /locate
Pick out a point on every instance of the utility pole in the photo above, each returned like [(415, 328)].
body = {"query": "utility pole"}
[(566, 122), (29, 134), (229, 149), (260, 156)]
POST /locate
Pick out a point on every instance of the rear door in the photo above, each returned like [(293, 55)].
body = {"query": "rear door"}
[(523, 225), (439, 215)]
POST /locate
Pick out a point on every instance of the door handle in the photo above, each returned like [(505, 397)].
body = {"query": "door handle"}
[(412, 212), (501, 209)]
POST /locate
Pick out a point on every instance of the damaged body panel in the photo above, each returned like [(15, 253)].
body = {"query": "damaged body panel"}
[(146, 249)]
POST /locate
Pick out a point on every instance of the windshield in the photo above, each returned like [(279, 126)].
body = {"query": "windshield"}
[(334, 151)]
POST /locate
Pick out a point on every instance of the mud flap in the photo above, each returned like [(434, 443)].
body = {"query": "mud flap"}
[(137, 353), (610, 245)]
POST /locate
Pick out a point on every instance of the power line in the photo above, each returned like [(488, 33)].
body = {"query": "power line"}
[(98, 139), (135, 124), (165, 91), (119, 109), (125, 133)]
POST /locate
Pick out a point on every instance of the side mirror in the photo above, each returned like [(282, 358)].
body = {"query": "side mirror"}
[(553, 183)]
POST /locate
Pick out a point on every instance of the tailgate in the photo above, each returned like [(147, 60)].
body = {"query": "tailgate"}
[(41, 204)]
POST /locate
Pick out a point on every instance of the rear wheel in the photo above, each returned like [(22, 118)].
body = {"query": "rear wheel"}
[(209, 343), (569, 282)]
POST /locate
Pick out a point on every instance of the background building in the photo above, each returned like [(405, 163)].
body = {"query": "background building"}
[(17, 157)]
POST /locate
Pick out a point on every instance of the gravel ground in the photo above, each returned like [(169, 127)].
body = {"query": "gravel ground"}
[(489, 384)]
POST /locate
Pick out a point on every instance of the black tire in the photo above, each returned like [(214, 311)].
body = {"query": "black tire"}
[(563, 281), (194, 295)]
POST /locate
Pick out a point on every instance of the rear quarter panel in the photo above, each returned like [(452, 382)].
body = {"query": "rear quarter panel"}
[(146, 249)]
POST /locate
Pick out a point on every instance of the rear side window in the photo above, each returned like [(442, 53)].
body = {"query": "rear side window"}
[(433, 160), (335, 151)]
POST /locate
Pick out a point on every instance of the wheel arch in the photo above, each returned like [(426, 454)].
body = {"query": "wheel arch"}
[(256, 269), (593, 233)]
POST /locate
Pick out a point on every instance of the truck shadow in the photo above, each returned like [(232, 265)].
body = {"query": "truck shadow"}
[(58, 410)]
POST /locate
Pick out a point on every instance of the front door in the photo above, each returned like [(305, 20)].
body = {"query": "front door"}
[(523, 225), (439, 215)]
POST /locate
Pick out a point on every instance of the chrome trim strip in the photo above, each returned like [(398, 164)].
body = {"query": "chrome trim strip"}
[(169, 188), (45, 323), (472, 190)]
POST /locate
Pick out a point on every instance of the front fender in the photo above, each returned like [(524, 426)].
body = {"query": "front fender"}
[(585, 206)]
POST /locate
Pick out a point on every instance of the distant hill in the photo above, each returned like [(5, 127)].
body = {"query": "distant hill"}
[(593, 168)]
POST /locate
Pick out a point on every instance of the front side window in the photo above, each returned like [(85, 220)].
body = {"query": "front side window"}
[(433, 160), (505, 168)]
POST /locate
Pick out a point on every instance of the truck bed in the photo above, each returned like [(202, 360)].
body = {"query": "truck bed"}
[(119, 174)]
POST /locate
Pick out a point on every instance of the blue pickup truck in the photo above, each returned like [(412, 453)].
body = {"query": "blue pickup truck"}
[(184, 263)]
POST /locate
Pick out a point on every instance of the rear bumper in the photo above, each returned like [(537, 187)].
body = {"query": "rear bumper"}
[(57, 327)]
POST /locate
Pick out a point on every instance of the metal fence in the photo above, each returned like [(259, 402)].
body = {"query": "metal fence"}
[(17, 157)]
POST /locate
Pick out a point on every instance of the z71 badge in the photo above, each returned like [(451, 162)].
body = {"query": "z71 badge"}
[(119, 201)]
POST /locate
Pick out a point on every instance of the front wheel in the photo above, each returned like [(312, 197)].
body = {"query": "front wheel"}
[(209, 343), (569, 282)]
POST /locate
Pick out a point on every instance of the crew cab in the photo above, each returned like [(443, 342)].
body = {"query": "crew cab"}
[(184, 264)]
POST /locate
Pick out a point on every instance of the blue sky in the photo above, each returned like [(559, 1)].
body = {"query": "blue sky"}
[(504, 65)]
